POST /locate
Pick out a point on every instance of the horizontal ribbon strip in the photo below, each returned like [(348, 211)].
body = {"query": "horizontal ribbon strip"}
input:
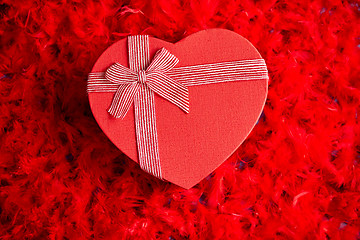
[(242, 70), (137, 85)]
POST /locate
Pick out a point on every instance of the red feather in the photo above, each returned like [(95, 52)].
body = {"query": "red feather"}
[(295, 177)]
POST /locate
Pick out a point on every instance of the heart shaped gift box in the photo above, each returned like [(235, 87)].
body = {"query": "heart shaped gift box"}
[(179, 110)]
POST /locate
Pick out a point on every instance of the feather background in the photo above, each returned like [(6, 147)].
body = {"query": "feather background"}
[(297, 176)]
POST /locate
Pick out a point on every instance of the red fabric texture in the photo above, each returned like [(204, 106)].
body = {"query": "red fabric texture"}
[(297, 176)]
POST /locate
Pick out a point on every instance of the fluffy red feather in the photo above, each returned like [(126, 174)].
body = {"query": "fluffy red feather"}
[(297, 176)]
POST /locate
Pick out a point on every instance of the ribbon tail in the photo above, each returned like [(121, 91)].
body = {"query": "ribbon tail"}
[(123, 99), (169, 89)]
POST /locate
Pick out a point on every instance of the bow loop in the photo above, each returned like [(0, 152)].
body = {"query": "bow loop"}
[(163, 61), (153, 77), (119, 74)]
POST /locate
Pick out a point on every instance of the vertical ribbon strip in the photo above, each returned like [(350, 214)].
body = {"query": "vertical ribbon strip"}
[(144, 104), (138, 84)]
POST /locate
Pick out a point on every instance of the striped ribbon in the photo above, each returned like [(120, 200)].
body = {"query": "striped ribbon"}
[(137, 85)]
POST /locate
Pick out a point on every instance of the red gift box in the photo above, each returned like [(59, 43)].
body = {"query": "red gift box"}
[(181, 109)]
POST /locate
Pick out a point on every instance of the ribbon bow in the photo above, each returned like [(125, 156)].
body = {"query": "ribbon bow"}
[(154, 77), (138, 84)]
